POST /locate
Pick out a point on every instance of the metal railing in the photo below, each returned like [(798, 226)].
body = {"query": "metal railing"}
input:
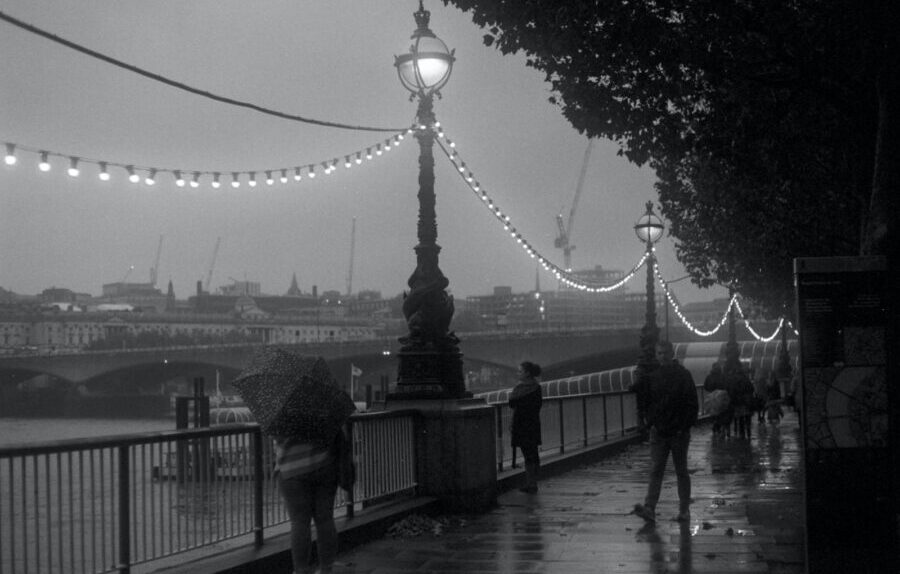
[(105, 505)]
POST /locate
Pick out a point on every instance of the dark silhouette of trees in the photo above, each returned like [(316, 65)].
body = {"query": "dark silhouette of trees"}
[(772, 125)]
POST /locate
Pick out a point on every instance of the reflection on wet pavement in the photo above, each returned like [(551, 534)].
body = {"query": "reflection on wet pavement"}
[(746, 517)]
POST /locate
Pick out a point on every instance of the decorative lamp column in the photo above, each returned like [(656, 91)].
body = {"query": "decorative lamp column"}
[(783, 370), (430, 364), (732, 352), (649, 229)]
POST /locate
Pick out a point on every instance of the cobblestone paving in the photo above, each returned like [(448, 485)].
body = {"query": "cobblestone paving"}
[(746, 517)]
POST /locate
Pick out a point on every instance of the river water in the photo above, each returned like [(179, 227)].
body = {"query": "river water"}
[(17, 431), (58, 513)]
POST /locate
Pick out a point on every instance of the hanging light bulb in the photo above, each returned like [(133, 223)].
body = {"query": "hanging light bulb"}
[(195, 183), (334, 164), (104, 174), (44, 165), (378, 149), (397, 139), (269, 180), (179, 181), (347, 163), (73, 170), (215, 182), (387, 145), (132, 177), (368, 153), (235, 180), (10, 158), (462, 167), (358, 158), (284, 175), (326, 168), (311, 170), (297, 173), (151, 177), (252, 181)]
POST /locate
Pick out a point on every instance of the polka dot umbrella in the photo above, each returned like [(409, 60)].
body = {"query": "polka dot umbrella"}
[(294, 395)]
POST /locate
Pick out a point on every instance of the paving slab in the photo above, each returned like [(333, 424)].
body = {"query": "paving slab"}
[(746, 518)]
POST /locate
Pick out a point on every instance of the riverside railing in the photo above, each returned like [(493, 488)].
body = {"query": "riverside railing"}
[(106, 504)]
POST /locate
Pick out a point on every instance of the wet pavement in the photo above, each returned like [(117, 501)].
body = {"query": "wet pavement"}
[(746, 517)]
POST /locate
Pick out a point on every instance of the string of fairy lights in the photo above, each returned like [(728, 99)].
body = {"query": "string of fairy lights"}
[(194, 178), (567, 277)]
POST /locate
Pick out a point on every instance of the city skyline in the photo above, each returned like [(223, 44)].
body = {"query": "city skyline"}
[(300, 58)]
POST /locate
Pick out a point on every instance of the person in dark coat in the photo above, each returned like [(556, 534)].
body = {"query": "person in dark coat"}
[(740, 390), (525, 402), (715, 381), (667, 403)]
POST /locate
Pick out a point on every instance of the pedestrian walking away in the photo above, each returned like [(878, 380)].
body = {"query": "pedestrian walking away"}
[(667, 405), (740, 389), (299, 404), (525, 402), (720, 407)]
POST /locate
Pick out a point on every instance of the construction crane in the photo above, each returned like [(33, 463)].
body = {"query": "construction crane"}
[(352, 249), (154, 271), (563, 240), (212, 264)]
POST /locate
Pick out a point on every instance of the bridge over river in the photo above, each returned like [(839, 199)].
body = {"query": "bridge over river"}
[(490, 361)]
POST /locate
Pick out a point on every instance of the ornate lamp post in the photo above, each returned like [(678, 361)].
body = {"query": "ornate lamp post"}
[(649, 229), (732, 352), (430, 362)]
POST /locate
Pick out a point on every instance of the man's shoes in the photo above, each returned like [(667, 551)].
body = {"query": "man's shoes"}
[(644, 512)]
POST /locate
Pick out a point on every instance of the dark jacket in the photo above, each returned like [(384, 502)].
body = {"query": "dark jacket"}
[(715, 380), (525, 401), (740, 389), (667, 399)]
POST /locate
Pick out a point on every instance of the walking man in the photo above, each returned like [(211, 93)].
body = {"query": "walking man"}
[(667, 403)]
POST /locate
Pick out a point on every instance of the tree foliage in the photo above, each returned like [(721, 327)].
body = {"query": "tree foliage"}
[(760, 117)]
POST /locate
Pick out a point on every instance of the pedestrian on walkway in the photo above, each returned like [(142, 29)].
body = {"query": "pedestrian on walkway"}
[(525, 402), (667, 402), (715, 381), (760, 395), (308, 481), (740, 389)]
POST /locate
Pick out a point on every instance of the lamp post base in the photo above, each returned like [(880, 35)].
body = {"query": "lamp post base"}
[(429, 374)]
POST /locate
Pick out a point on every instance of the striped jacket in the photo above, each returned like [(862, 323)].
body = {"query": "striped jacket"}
[(294, 457)]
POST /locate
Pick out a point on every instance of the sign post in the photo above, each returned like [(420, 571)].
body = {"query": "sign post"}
[(851, 495)]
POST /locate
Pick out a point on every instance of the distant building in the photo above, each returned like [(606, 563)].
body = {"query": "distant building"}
[(251, 288), (141, 296)]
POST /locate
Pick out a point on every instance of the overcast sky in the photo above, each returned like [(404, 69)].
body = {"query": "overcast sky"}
[(330, 60)]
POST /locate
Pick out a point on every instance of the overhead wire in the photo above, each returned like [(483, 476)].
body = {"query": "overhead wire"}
[(156, 77)]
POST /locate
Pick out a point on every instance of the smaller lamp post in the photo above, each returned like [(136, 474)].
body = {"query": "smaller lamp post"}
[(732, 351), (649, 229)]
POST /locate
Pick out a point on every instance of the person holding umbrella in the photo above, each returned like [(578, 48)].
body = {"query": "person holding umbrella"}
[(526, 401), (307, 479), (299, 404)]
